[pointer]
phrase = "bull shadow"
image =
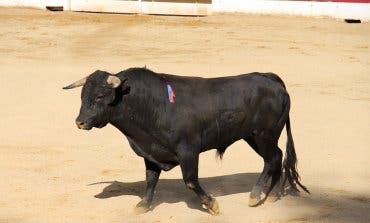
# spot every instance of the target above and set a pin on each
(174, 190)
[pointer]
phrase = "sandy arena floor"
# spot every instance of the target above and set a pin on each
(50, 171)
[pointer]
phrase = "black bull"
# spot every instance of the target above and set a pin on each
(169, 120)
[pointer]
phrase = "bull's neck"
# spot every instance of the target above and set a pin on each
(141, 109)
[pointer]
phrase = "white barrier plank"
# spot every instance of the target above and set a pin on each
(141, 7)
(106, 6)
(306, 8)
(166, 8)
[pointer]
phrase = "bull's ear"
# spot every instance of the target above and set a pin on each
(121, 90)
(78, 83)
(114, 81)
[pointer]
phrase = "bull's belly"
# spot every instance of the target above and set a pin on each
(165, 159)
(155, 153)
(220, 143)
(217, 138)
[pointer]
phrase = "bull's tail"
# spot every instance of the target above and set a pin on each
(290, 162)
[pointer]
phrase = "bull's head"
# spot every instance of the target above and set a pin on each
(101, 91)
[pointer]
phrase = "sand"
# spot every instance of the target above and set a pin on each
(52, 172)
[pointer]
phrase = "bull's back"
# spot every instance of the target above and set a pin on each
(226, 93)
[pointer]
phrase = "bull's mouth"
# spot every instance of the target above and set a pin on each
(84, 127)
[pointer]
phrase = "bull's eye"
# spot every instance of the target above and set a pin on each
(99, 97)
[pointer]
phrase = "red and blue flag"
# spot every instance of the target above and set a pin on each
(171, 93)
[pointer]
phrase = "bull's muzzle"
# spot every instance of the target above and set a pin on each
(82, 125)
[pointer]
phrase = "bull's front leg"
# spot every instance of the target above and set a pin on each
(152, 174)
(189, 167)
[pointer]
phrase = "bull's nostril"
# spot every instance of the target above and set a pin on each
(79, 123)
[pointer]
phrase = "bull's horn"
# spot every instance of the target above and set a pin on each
(78, 83)
(113, 81)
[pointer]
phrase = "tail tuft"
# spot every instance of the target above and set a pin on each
(220, 152)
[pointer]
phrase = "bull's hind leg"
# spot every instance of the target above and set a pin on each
(152, 174)
(275, 193)
(272, 156)
(189, 168)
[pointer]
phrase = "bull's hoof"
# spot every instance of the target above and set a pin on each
(255, 197)
(141, 208)
(253, 202)
(213, 207)
(272, 198)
